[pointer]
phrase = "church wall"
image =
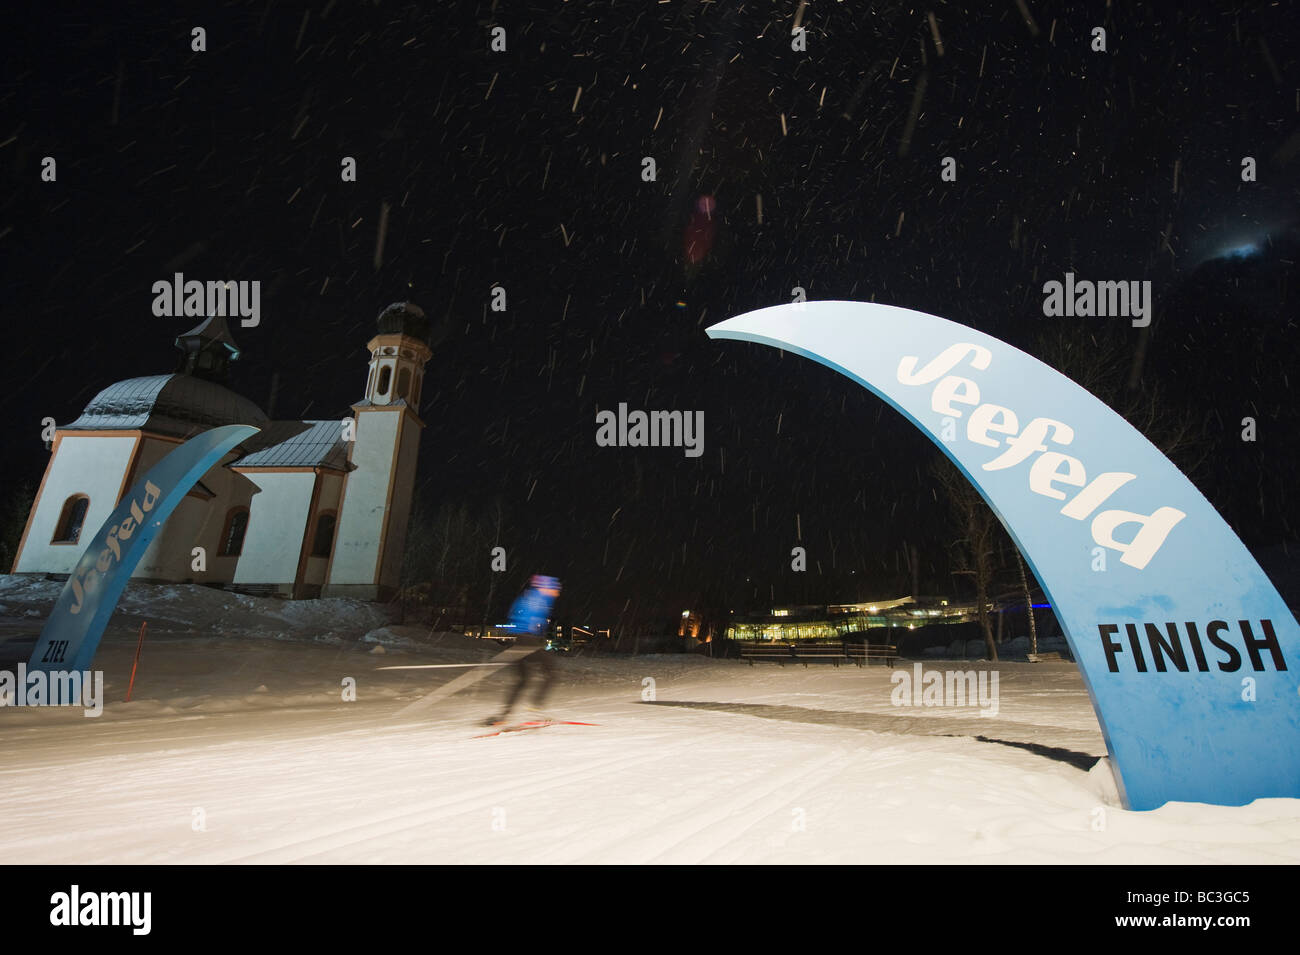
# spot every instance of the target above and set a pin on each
(331, 486)
(277, 523)
(314, 573)
(90, 465)
(331, 489)
(400, 506)
(152, 450)
(356, 548)
(198, 521)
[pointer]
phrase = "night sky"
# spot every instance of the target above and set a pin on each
(225, 164)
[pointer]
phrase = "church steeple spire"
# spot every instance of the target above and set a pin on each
(397, 356)
(207, 350)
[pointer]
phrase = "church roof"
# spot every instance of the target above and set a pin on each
(297, 444)
(178, 405)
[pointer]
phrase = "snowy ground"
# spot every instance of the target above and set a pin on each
(239, 748)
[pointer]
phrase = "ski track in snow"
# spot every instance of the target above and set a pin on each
(728, 764)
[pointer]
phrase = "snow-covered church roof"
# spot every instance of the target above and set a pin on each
(297, 444)
(178, 405)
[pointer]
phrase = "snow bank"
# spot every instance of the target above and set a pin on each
(1101, 781)
(191, 607)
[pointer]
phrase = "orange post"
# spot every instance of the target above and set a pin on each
(136, 662)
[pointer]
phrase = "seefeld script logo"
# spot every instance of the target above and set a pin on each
(87, 575)
(1051, 469)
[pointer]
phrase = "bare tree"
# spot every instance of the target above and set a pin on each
(1097, 362)
(12, 521)
(1029, 600)
(447, 556)
(973, 552)
(498, 516)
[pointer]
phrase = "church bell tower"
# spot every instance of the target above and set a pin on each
(376, 498)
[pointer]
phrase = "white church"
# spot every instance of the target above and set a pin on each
(303, 509)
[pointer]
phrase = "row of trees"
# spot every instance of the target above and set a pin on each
(13, 518)
(447, 575)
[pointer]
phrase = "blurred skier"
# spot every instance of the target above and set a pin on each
(528, 617)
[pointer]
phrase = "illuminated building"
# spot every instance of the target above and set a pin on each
(835, 622)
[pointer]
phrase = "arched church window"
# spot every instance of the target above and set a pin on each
(68, 530)
(403, 382)
(232, 539)
(324, 538)
(385, 376)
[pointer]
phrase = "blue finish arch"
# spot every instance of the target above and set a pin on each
(1187, 650)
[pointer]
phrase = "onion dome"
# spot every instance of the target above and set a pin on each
(404, 318)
